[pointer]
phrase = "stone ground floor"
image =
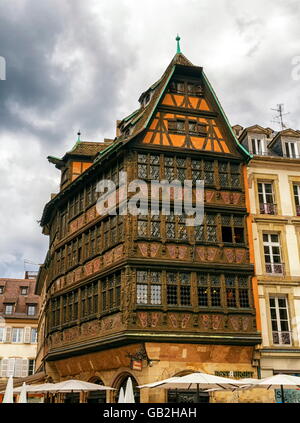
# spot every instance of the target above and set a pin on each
(150, 362)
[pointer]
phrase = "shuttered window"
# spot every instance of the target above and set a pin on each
(27, 332)
(2, 334)
(4, 367)
(16, 367)
(8, 334)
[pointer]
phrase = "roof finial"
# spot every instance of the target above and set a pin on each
(78, 133)
(178, 44)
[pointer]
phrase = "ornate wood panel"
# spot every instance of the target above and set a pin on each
(212, 140)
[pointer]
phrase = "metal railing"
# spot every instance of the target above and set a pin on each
(267, 208)
(275, 268)
(282, 338)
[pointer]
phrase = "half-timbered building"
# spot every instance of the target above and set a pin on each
(147, 295)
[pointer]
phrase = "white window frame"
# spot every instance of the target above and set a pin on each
(19, 339)
(264, 193)
(272, 244)
(259, 145)
(2, 334)
(279, 321)
(288, 149)
(12, 308)
(296, 196)
(29, 307)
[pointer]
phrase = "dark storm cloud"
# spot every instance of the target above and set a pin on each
(26, 41)
(37, 40)
(63, 73)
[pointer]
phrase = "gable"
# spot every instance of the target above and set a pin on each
(187, 117)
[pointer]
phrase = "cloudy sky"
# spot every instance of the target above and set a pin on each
(73, 64)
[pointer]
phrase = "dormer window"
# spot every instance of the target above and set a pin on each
(291, 149)
(147, 98)
(258, 146)
(31, 309)
(9, 308)
(24, 290)
(127, 132)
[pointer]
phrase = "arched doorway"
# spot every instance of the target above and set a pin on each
(186, 395)
(121, 383)
(96, 396)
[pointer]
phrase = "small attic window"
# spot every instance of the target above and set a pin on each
(195, 89)
(127, 132)
(147, 98)
(177, 86)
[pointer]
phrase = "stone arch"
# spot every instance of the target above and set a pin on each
(120, 381)
(96, 396)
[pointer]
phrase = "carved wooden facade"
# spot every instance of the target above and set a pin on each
(114, 280)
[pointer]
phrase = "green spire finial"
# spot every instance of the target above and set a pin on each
(78, 133)
(178, 44)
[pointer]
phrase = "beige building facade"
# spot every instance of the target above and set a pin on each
(19, 307)
(274, 189)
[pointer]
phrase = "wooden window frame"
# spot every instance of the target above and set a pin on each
(150, 287)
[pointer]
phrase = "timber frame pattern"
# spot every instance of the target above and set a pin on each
(112, 281)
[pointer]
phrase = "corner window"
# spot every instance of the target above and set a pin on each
(1, 290)
(148, 288)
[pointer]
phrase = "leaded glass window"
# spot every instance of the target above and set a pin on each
(230, 284)
(178, 288)
(148, 288)
(148, 226)
(110, 292)
(229, 175)
(209, 290)
(208, 173)
(170, 226)
(208, 230)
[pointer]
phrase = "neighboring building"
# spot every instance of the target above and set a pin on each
(19, 309)
(147, 296)
(274, 184)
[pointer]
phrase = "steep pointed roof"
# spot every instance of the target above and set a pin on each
(142, 115)
(138, 120)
